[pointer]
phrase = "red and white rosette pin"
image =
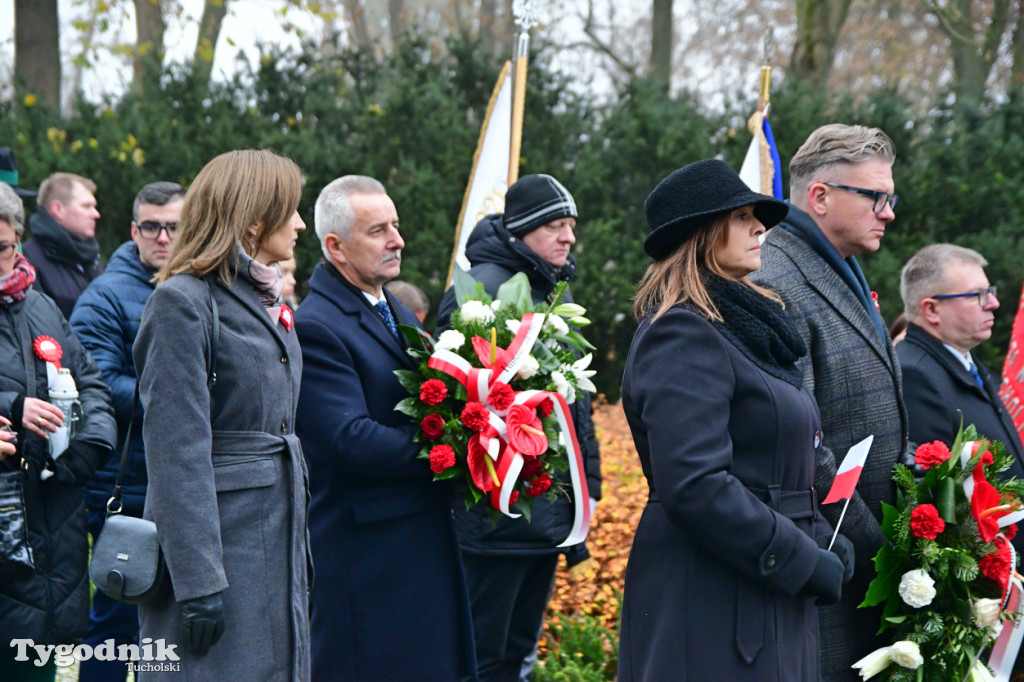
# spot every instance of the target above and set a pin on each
(287, 319)
(48, 350)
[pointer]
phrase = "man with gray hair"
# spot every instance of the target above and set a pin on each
(389, 600)
(841, 198)
(950, 310)
(106, 319)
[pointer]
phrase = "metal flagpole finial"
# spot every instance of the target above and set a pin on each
(525, 14)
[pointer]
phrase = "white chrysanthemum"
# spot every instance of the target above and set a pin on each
(563, 386)
(450, 339)
(986, 612)
(528, 367)
(476, 311)
(906, 654)
(917, 588)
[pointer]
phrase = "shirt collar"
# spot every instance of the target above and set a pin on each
(966, 360)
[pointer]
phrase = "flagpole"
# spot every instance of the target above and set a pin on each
(525, 18)
(835, 533)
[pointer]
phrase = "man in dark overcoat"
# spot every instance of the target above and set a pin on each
(841, 198)
(389, 598)
(950, 311)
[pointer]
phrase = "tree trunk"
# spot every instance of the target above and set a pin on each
(396, 19)
(1017, 48)
(357, 17)
(210, 24)
(974, 50)
(149, 46)
(661, 44)
(818, 23)
(37, 49)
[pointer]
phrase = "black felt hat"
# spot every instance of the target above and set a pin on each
(693, 196)
(9, 172)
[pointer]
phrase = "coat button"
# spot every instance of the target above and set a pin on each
(284, 426)
(770, 561)
(284, 360)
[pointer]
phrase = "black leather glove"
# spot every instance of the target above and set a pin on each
(202, 623)
(843, 549)
(907, 459)
(77, 464)
(826, 582)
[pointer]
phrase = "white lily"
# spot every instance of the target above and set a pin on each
(980, 673)
(569, 310)
(579, 321)
(874, 663)
(582, 374)
(563, 386)
(557, 325)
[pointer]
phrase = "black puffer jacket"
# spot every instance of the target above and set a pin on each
(496, 256)
(51, 605)
(64, 263)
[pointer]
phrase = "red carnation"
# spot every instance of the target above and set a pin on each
(930, 454)
(1010, 532)
(501, 396)
(432, 426)
(997, 565)
(531, 467)
(433, 391)
(475, 416)
(539, 485)
(546, 407)
(513, 497)
(925, 521)
(441, 457)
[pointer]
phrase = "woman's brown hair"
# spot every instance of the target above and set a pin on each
(234, 192)
(678, 277)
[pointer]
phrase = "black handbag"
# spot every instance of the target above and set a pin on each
(127, 563)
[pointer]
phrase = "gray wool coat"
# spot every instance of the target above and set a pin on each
(856, 380)
(234, 520)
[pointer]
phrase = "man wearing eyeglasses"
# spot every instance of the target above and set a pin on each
(950, 311)
(63, 247)
(841, 200)
(106, 320)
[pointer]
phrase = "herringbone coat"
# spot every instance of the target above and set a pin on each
(855, 377)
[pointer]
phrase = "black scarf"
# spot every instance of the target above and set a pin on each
(61, 245)
(758, 327)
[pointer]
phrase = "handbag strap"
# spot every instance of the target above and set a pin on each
(211, 372)
(30, 362)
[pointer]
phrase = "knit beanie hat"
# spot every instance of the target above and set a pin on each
(536, 200)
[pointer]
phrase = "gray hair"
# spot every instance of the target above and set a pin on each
(925, 273)
(333, 213)
(157, 194)
(12, 210)
(835, 144)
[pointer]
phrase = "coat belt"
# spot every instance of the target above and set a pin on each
(252, 443)
(793, 504)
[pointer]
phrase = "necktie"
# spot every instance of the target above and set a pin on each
(385, 312)
(976, 375)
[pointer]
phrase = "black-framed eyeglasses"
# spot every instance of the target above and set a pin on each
(150, 229)
(7, 247)
(983, 296)
(880, 198)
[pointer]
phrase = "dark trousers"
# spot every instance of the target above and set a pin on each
(508, 595)
(108, 619)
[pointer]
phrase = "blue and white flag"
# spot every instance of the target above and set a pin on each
(762, 169)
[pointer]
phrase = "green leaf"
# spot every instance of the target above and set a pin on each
(465, 285)
(416, 337)
(450, 472)
(890, 515)
(516, 291)
(889, 569)
(410, 380)
(412, 407)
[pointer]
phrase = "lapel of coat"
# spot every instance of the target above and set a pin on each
(931, 345)
(831, 287)
(355, 306)
(245, 295)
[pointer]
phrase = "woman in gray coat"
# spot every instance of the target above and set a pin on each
(729, 554)
(227, 480)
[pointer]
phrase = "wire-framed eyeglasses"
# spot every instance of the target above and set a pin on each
(880, 198)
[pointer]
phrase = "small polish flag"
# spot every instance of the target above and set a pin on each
(849, 472)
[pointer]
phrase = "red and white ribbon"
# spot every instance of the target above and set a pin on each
(508, 462)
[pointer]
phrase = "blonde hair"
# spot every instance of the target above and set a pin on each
(231, 194)
(678, 278)
(60, 187)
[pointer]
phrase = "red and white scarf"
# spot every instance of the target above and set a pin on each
(14, 284)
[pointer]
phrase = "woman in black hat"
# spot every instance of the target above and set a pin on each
(727, 560)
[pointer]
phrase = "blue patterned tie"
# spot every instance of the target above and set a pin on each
(977, 376)
(385, 312)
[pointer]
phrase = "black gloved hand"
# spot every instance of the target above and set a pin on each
(826, 582)
(843, 549)
(907, 459)
(78, 463)
(202, 623)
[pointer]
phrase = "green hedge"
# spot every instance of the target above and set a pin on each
(412, 118)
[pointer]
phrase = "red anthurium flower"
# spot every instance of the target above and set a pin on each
(985, 499)
(475, 456)
(483, 351)
(525, 432)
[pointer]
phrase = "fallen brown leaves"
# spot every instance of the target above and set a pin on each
(595, 590)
